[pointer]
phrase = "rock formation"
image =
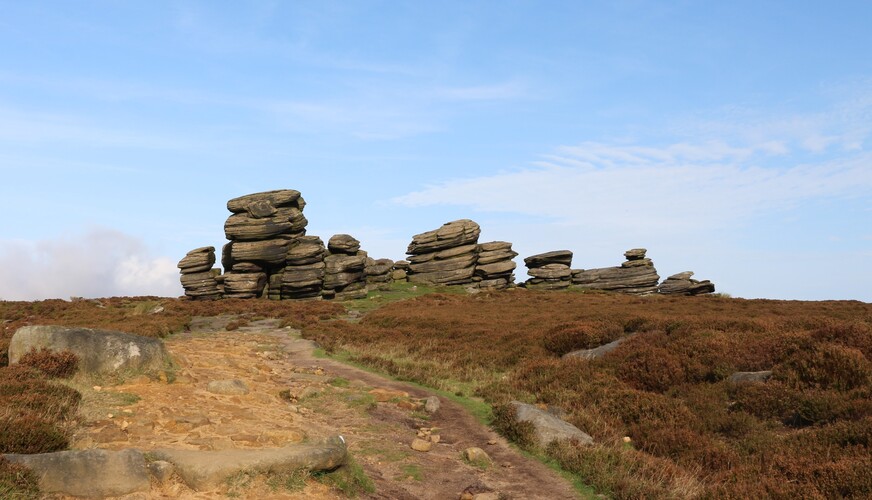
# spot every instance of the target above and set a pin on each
(198, 278)
(344, 266)
(549, 271)
(260, 229)
(637, 275)
(445, 256)
(378, 273)
(495, 266)
(682, 284)
(303, 276)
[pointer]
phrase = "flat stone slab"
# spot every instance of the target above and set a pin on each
(88, 473)
(100, 352)
(234, 387)
(203, 470)
(548, 427)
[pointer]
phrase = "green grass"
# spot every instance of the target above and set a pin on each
(339, 382)
(399, 290)
(411, 471)
(350, 479)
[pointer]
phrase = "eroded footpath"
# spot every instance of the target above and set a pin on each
(288, 396)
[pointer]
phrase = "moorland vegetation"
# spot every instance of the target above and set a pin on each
(666, 419)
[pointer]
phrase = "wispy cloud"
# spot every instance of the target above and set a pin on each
(98, 263)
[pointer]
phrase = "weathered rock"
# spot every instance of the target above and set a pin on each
(234, 387)
(272, 252)
(421, 445)
(452, 234)
(203, 470)
(339, 263)
(448, 264)
(747, 377)
(682, 284)
(258, 203)
(399, 275)
(636, 276)
(432, 404)
(244, 283)
(456, 277)
(198, 260)
(551, 271)
(547, 427)
(88, 473)
(635, 253)
(100, 352)
(343, 243)
(247, 267)
(246, 227)
(476, 456)
(596, 352)
(556, 257)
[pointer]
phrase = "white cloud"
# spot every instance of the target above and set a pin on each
(649, 190)
(98, 263)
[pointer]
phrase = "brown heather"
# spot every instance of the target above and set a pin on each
(804, 433)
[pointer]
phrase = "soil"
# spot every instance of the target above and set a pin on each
(295, 397)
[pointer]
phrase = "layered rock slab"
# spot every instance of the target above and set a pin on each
(636, 275)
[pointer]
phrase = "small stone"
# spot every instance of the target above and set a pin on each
(435, 438)
(491, 442)
(432, 404)
(161, 470)
(626, 439)
(421, 445)
(476, 456)
(233, 387)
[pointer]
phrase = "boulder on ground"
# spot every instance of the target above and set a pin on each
(596, 352)
(547, 427)
(682, 284)
(87, 473)
(100, 352)
(747, 377)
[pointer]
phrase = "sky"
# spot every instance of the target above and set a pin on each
(733, 139)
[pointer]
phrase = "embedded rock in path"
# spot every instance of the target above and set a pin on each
(233, 387)
(203, 470)
(87, 473)
(682, 284)
(636, 275)
(547, 427)
(100, 352)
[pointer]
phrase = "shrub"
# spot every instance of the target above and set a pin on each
(60, 364)
(17, 481)
(826, 366)
(652, 369)
(521, 433)
(29, 433)
(568, 337)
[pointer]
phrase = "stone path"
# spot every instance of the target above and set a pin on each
(294, 397)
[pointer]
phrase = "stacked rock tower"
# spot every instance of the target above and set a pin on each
(445, 256)
(636, 275)
(344, 266)
(549, 271)
(303, 276)
(494, 267)
(260, 230)
(198, 277)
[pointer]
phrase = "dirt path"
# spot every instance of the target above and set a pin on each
(293, 397)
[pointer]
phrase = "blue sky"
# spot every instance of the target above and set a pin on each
(733, 139)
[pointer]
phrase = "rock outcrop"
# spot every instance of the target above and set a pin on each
(261, 229)
(636, 276)
(378, 273)
(344, 265)
(445, 256)
(549, 271)
(100, 352)
(303, 276)
(548, 427)
(198, 278)
(682, 284)
(495, 266)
